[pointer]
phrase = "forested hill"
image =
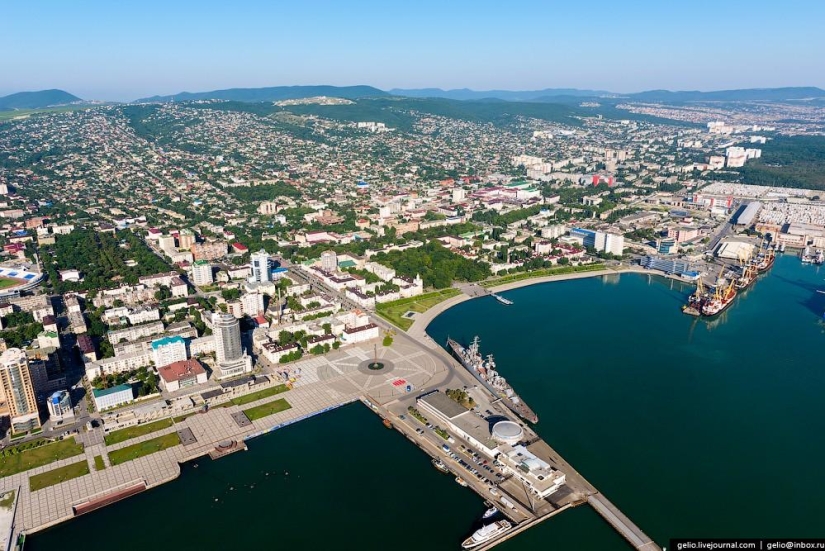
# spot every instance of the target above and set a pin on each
(37, 100)
(789, 161)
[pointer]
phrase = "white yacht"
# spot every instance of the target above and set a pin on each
(486, 533)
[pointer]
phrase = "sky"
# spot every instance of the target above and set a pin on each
(127, 50)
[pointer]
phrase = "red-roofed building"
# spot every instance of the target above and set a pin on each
(181, 374)
(239, 248)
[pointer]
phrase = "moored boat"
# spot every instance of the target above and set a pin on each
(485, 372)
(438, 464)
(460, 481)
(502, 300)
(490, 512)
(486, 533)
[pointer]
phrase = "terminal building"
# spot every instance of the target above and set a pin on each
(496, 437)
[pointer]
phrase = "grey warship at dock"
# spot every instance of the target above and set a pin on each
(484, 370)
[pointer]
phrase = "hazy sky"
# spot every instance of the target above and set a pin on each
(125, 50)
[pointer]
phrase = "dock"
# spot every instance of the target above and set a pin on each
(528, 511)
(621, 523)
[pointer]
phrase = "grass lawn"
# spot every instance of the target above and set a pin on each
(266, 409)
(37, 457)
(254, 396)
(518, 276)
(56, 476)
(99, 464)
(6, 282)
(122, 435)
(393, 311)
(140, 449)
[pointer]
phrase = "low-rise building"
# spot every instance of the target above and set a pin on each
(59, 404)
(353, 335)
(181, 374)
(113, 397)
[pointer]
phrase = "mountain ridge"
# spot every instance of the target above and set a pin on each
(37, 99)
(271, 93)
(786, 93)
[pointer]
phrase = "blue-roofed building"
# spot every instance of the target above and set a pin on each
(113, 397)
(168, 350)
(60, 405)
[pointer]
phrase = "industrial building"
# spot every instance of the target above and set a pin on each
(670, 266)
(747, 216)
(734, 250)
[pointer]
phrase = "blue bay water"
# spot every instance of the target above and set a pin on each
(691, 428)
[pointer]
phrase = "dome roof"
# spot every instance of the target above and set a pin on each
(507, 432)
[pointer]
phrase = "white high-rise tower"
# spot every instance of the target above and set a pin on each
(230, 356)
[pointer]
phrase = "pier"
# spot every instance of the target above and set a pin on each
(621, 523)
(528, 509)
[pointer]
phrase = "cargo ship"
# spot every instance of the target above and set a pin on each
(764, 261)
(719, 301)
(695, 300)
(485, 372)
(747, 278)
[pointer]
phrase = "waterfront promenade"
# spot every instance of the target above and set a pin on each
(326, 383)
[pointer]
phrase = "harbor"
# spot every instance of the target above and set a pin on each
(461, 444)
(593, 417)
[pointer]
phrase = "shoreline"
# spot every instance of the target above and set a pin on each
(419, 327)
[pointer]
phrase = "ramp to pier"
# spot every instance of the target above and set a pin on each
(621, 523)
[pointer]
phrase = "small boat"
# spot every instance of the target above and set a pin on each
(387, 423)
(486, 533)
(490, 512)
(460, 481)
(502, 300)
(438, 464)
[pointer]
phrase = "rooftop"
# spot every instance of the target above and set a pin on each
(165, 341)
(443, 404)
(181, 370)
(106, 391)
